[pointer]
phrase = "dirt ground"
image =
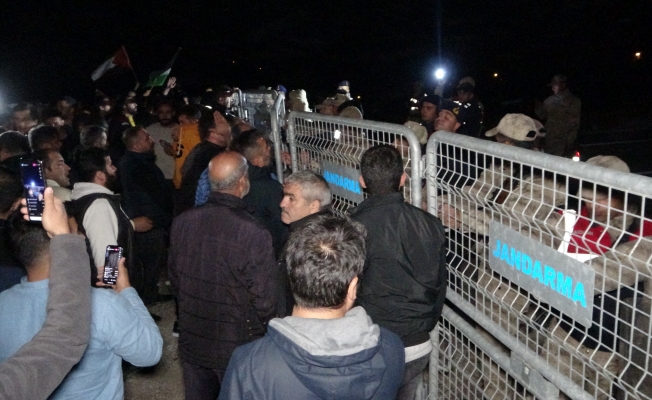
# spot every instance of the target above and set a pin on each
(163, 381)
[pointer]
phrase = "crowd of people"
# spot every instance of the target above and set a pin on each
(189, 188)
(275, 296)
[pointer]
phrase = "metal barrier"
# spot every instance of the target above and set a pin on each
(550, 273)
(265, 111)
(332, 146)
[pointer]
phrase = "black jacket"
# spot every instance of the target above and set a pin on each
(403, 286)
(196, 162)
(222, 270)
(265, 197)
(145, 192)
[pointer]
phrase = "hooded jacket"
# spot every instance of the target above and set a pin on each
(305, 358)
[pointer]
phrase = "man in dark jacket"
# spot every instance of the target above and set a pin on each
(266, 193)
(215, 134)
(222, 270)
(327, 349)
(404, 282)
(146, 194)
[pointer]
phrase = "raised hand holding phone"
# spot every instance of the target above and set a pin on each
(33, 187)
(55, 219)
(122, 281)
(110, 273)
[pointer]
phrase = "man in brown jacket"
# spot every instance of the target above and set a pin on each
(223, 271)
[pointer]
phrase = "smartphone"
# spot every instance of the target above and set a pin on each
(112, 257)
(33, 188)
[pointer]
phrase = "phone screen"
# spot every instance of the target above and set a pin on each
(111, 259)
(33, 188)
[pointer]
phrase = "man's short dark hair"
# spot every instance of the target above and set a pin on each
(89, 162)
(130, 135)
(92, 135)
(11, 189)
(248, 145)
(14, 143)
(51, 113)
(43, 155)
(382, 167)
(323, 256)
(41, 136)
(30, 241)
(33, 111)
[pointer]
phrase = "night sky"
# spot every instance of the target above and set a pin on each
(50, 49)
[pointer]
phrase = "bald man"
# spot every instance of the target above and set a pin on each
(222, 269)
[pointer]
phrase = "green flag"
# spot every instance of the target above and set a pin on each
(157, 78)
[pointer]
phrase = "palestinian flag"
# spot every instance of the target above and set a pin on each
(157, 78)
(120, 59)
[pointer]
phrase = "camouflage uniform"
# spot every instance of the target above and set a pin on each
(562, 114)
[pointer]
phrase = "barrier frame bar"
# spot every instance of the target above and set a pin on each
(634, 184)
(559, 380)
(277, 116)
(614, 180)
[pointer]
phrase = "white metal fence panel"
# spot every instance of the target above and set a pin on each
(332, 146)
(550, 258)
(265, 111)
(471, 365)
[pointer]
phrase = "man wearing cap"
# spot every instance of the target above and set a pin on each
(223, 97)
(456, 167)
(505, 186)
(473, 124)
(428, 110)
(344, 88)
(562, 114)
(451, 116)
(503, 189)
(608, 231)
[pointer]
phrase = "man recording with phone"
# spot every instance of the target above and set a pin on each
(120, 326)
(62, 340)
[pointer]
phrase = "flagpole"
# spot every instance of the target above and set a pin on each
(131, 68)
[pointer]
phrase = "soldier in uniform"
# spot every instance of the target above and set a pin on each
(561, 111)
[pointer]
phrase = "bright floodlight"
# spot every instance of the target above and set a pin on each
(439, 74)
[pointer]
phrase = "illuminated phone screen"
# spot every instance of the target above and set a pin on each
(33, 188)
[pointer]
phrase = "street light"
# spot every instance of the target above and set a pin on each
(440, 73)
(495, 74)
(637, 54)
